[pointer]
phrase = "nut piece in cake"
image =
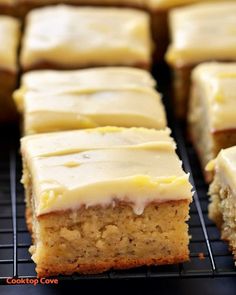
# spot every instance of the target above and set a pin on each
(211, 117)
(10, 34)
(67, 37)
(105, 198)
(194, 40)
(222, 209)
(65, 100)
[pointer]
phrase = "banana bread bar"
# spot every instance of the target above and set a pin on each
(63, 100)
(222, 209)
(67, 37)
(105, 198)
(211, 117)
(194, 40)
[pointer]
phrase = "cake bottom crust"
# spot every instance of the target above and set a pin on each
(160, 34)
(94, 240)
(55, 66)
(7, 10)
(8, 112)
(100, 267)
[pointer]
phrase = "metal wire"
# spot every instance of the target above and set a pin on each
(184, 156)
(13, 209)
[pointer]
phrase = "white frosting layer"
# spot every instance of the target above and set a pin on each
(73, 37)
(202, 32)
(51, 144)
(9, 40)
(225, 167)
(83, 80)
(54, 101)
(216, 85)
(101, 167)
(167, 4)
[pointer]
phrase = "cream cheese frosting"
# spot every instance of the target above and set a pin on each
(92, 98)
(45, 145)
(167, 4)
(194, 37)
(216, 84)
(9, 41)
(224, 167)
(96, 78)
(72, 37)
(105, 165)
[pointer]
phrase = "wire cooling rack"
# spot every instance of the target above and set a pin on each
(209, 255)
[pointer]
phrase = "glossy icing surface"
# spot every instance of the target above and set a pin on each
(225, 167)
(216, 85)
(194, 37)
(75, 37)
(105, 165)
(167, 4)
(54, 101)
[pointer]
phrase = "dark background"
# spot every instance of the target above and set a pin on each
(213, 286)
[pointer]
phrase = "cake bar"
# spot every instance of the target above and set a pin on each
(10, 34)
(194, 40)
(222, 209)
(158, 9)
(105, 198)
(67, 37)
(211, 117)
(64, 100)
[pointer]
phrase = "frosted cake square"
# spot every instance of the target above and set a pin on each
(67, 37)
(211, 116)
(64, 100)
(222, 209)
(200, 32)
(105, 198)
